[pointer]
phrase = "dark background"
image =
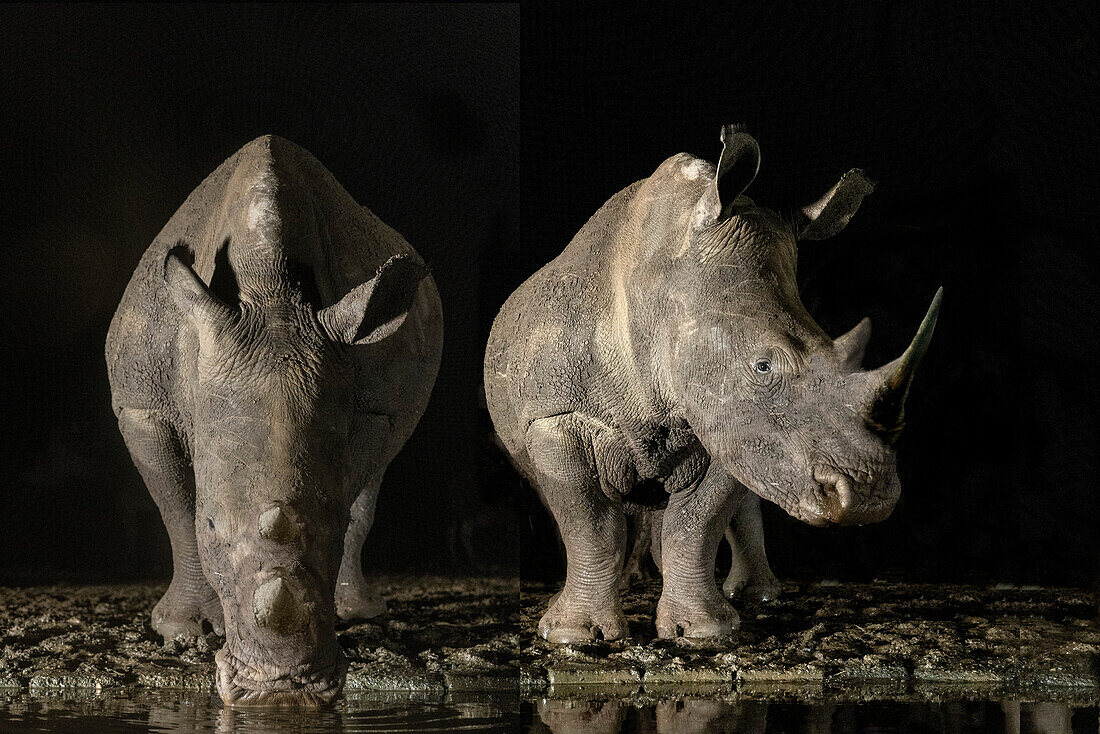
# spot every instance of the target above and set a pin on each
(979, 124)
(111, 115)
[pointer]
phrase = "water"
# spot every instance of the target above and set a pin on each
(188, 711)
(192, 711)
(690, 716)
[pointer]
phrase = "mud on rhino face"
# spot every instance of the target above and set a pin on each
(785, 409)
(271, 458)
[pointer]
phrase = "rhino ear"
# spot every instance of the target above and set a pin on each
(737, 168)
(851, 346)
(830, 214)
(191, 294)
(375, 309)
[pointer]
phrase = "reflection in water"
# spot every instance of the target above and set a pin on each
(193, 711)
(690, 716)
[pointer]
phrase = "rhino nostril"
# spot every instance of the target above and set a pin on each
(831, 503)
(836, 491)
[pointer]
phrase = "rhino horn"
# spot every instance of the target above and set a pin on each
(276, 525)
(277, 608)
(851, 346)
(886, 411)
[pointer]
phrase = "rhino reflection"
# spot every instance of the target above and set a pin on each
(1037, 718)
(235, 720)
(691, 716)
(574, 717)
(683, 716)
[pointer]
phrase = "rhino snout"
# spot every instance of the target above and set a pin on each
(244, 683)
(288, 655)
(850, 498)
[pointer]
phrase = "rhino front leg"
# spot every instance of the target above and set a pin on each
(355, 597)
(162, 462)
(750, 576)
(593, 529)
(692, 527)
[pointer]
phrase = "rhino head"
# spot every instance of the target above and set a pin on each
(271, 448)
(782, 407)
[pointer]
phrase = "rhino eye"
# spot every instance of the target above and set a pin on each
(762, 366)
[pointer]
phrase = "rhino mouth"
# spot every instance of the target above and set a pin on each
(843, 497)
(831, 496)
(309, 686)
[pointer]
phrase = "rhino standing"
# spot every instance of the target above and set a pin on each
(665, 357)
(273, 351)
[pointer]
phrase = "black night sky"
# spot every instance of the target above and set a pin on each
(979, 129)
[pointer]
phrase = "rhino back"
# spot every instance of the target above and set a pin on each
(272, 202)
(539, 348)
(558, 343)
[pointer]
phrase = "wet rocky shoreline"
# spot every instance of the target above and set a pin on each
(877, 641)
(440, 635)
(843, 642)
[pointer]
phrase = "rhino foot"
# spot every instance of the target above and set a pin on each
(750, 589)
(179, 614)
(696, 618)
(568, 621)
(358, 602)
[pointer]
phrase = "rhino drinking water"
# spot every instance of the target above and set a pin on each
(665, 357)
(272, 353)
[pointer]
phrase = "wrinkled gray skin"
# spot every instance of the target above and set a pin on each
(665, 357)
(272, 353)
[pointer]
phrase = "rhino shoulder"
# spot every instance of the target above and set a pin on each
(145, 362)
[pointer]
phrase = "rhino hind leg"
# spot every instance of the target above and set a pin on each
(593, 529)
(656, 524)
(355, 597)
(162, 462)
(750, 575)
(639, 541)
(691, 528)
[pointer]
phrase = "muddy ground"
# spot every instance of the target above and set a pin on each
(845, 641)
(440, 635)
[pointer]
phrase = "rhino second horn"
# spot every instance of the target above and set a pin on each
(278, 609)
(852, 345)
(886, 412)
(276, 525)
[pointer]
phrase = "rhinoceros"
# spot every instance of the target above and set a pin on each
(272, 352)
(665, 359)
